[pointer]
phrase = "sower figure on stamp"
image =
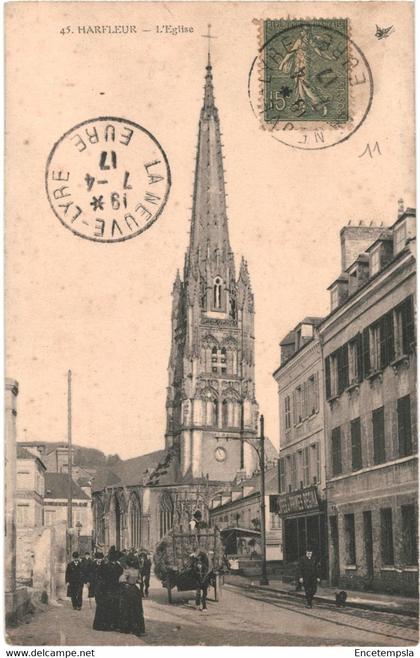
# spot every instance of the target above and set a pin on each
(308, 576)
(75, 579)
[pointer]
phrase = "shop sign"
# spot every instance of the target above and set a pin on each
(297, 501)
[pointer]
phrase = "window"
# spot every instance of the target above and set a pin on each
(404, 327)
(387, 538)
(22, 515)
(355, 360)
(405, 444)
(282, 476)
(378, 436)
(49, 516)
(312, 403)
(218, 360)
(306, 480)
(225, 413)
(375, 347)
(166, 514)
(293, 472)
(336, 451)
(217, 292)
(334, 297)
(409, 534)
(24, 479)
(333, 375)
(223, 360)
(315, 461)
(400, 237)
(214, 359)
(356, 445)
(275, 522)
(298, 405)
(375, 260)
(350, 539)
(287, 413)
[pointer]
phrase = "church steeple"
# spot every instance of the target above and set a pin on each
(211, 387)
(209, 254)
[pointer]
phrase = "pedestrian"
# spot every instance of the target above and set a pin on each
(87, 566)
(145, 565)
(113, 571)
(308, 576)
(98, 588)
(131, 618)
(75, 581)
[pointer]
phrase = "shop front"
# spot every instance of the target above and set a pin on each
(304, 525)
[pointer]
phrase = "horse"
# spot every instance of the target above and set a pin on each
(203, 578)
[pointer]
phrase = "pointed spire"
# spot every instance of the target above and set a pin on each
(208, 89)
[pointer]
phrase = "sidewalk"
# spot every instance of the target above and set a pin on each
(401, 605)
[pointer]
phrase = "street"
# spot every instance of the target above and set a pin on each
(241, 618)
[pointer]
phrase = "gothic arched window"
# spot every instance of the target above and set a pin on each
(217, 292)
(225, 413)
(166, 514)
(215, 414)
(134, 519)
(99, 521)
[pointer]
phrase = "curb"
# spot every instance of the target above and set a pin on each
(377, 607)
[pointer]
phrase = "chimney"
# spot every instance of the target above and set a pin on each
(400, 207)
(355, 240)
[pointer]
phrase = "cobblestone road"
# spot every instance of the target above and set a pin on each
(241, 618)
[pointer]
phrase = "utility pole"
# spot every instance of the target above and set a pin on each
(263, 580)
(69, 467)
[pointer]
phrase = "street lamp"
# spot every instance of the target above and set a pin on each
(79, 526)
(261, 460)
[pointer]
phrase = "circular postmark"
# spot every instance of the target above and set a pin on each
(107, 179)
(310, 86)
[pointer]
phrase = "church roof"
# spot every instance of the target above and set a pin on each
(128, 472)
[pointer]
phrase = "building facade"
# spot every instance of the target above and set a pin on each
(301, 503)
(30, 490)
(368, 343)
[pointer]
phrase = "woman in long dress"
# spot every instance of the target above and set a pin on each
(131, 619)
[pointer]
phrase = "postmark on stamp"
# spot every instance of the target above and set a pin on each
(310, 85)
(107, 179)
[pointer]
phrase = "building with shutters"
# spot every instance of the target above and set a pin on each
(300, 504)
(368, 344)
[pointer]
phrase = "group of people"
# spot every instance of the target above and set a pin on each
(118, 583)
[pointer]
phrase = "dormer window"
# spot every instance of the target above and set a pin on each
(334, 297)
(217, 292)
(375, 260)
(400, 237)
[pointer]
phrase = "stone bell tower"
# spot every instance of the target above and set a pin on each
(211, 404)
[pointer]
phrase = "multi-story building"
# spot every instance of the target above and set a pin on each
(368, 343)
(30, 489)
(301, 500)
(56, 503)
(237, 512)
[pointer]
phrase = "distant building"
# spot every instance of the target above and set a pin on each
(301, 503)
(237, 512)
(368, 343)
(30, 488)
(56, 502)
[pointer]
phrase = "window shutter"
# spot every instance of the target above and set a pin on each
(405, 446)
(366, 353)
(327, 378)
(359, 348)
(295, 417)
(345, 366)
(316, 392)
(408, 324)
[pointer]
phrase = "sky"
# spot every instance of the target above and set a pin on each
(103, 310)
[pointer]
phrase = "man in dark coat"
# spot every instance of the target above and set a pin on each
(145, 565)
(308, 576)
(87, 566)
(75, 579)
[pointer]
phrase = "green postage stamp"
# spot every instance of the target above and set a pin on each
(306, 71)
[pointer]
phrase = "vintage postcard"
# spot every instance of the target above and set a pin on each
(210, 393)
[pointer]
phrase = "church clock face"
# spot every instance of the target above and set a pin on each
(220, 454)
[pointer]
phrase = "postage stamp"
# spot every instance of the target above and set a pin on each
(310, 85)
(107, 179)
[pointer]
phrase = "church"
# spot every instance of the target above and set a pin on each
(211, 410)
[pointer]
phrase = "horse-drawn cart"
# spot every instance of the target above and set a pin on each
(175, 554)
